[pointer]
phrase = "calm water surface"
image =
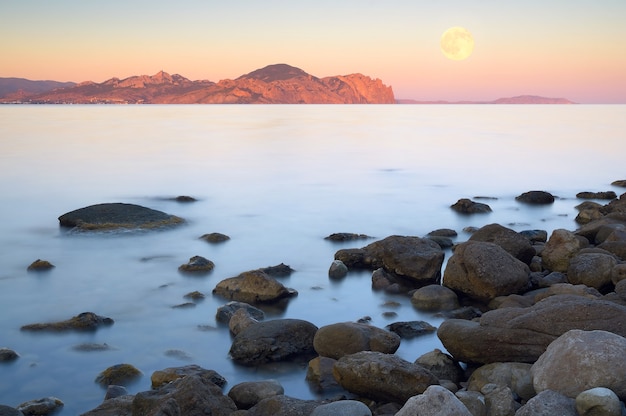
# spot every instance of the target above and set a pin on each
(277, 180)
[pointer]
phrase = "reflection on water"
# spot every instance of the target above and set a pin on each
(277, 180)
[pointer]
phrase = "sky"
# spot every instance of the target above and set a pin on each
(574, 49)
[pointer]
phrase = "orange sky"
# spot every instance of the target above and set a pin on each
(561, 48)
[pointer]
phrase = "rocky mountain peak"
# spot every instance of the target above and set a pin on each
(276, 72)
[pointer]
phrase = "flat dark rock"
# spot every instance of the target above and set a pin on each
(86, 321)
(110, 216)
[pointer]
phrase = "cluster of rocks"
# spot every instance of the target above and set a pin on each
(535, 325)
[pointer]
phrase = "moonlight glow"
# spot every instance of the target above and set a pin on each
(457, 43)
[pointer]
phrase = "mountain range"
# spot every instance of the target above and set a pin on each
(273, 84)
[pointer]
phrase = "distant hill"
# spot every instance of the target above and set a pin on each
(273, 84)
(23, 87)
(520, 99)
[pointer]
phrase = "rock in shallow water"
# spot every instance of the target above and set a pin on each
(382, 377)
(44, 406)
(274, 341)
(197, 265)
(113, 216)
(7, 355)
(86, 321)
(253, 286)
(343, 338)
(40, 266)
(467, 206)
(119, 374)
(536, 197)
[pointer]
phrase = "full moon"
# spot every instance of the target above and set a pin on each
(457, 43)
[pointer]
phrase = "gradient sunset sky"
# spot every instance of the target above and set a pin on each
(555, 48)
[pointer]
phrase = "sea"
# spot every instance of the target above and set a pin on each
(277, 179)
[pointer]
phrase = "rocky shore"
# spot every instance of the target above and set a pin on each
(535, 325)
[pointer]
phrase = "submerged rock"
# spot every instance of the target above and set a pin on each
(280, 270)
(40, 266)
(467, 206)
(215, 238)
(7, 355)
(86, 321)
(536, 198)
(119, 374)
(197, 264)
(113, 216)
(596, 195)
(340, 237)
(44, 406)
(185, 198)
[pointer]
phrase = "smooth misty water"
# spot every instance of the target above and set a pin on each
(277, 180)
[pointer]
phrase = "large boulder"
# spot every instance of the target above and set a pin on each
(248, 393)
(418, 259)
(515, 376)
(253, 286)
(591, 269)
(111, 216)
(483, 271)
(435, 401)
(560, 248)
(548, 403)
(190, 395)
(581, 360)
(342, 408)
(599, 401)
(382, 377)
(442, 365)
(435, 298)
(523, 334)
(337, 340)
(513, 242)
(272, 341)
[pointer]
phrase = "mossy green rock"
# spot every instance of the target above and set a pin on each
(119, 375)
(86, 321)
(112, 216)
